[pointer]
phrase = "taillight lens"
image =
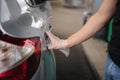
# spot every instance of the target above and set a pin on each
(19, 58)
(12, 55)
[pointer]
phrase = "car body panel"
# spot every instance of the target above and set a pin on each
(50, 69)
(19, 20)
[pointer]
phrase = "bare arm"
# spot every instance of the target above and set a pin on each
(94, 24)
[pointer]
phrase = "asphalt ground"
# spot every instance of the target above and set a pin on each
(74, 67)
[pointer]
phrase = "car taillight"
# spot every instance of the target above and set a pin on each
(19, 58)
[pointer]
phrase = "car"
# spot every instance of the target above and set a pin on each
(23, 42)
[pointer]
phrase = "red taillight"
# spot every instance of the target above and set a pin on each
(26, 64)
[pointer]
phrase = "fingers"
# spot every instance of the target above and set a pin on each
(56, 42)
(50, 35)
(50, 46)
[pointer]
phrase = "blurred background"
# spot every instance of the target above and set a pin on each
(86, 61)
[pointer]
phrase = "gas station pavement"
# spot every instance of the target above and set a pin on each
(96, 52)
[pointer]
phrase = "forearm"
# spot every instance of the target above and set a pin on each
(95, 24)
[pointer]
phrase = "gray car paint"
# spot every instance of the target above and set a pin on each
(17, 22)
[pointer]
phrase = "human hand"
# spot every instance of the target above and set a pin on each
(56, 42)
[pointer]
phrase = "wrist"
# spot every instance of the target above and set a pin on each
(66, 43)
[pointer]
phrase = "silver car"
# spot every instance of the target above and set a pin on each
(23, 43)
